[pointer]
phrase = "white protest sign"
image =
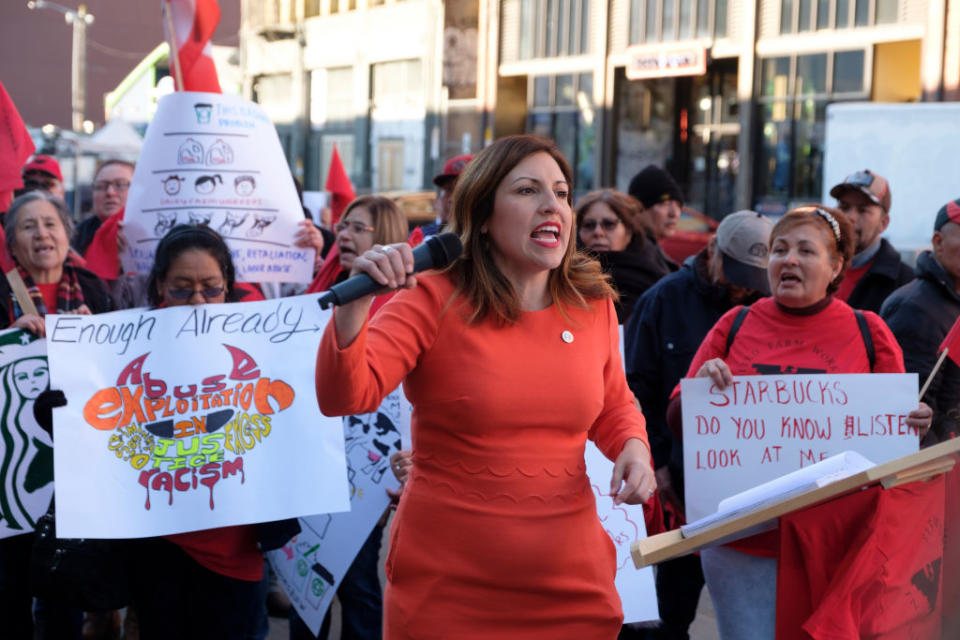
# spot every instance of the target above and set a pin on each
(762, 427)
(191, 417)
(215, 160)
(624, 524)
(311, 566)
(26, 451)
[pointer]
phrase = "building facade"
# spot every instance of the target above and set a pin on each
(391, 83)
(729, 95)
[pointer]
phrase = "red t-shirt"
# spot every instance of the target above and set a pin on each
(772, 341)
(850, 280)
(49, 292)
(229, 551)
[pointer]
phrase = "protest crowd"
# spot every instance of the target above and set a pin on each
(509, 353)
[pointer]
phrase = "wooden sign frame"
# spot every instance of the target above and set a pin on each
(922, 465)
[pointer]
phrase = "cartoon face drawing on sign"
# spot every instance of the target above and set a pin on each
(369, 441)
(261, 220)
(190, 152)
(171, 185)
(220, 153)
(165, 222)
(233, 220)
(31, 376)
(206, 184)
(244, 185)
(200, 219)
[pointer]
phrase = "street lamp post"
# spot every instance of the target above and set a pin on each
(80, 19)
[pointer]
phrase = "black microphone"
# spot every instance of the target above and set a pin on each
(436, 253)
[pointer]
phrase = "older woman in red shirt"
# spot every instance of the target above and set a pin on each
(801, 328)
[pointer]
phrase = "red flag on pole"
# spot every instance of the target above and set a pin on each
(15, 147)
(189, 26)
(951, 343)
(338, 184)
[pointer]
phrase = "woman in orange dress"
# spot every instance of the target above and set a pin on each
(510, 359)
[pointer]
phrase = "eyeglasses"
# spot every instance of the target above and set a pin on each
(607, 224)
(356, 227)
(185, 294)
(118, 185)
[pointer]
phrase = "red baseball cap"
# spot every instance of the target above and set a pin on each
(452, 169)
(45, 164)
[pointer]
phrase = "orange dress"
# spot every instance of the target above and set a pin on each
(496, 535)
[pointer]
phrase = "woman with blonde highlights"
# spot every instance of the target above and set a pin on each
(510, 358)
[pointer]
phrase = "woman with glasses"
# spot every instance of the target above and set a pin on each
(367, 221)
(37, 227)
(608, 225)
(210, 584)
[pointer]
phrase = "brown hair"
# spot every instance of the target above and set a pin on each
(627, 208)
(388, 222)
(815, 214)
(479, 280)
(106, 163)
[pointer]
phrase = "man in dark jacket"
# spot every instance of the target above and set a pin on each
(666, 328)
(921, 313)
(876, 270)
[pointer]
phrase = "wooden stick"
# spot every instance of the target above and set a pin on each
(174, 56)
(20, 292)
(936, 367)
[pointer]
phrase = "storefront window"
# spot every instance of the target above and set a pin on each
(843, 14)
(805, 10)
(720, 30)
(823, 14)
(792, 124)
(703, 18)
(667, 20)
(566, 116)
(686, 25)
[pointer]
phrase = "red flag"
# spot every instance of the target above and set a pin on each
(15, 147)
(194, 22)
(338, 184)
(101, 256)
(952, 342)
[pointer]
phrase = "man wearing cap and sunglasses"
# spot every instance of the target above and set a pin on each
(876, 270)
(667, 326)
(446, 181)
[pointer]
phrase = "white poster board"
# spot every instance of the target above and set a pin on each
(26, 450)
(762, 427)
(190, 418)
(311, 566)
(624, 524)
(215, 160)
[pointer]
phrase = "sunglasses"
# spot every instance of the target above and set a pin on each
(185, 294)
(607, 224)
(118, 185)
(356, 227)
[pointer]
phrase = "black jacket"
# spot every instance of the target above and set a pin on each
(95, 295)
(633, 270)
(665, 330)
(886, 274)
(920, 314)
(83, 233)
